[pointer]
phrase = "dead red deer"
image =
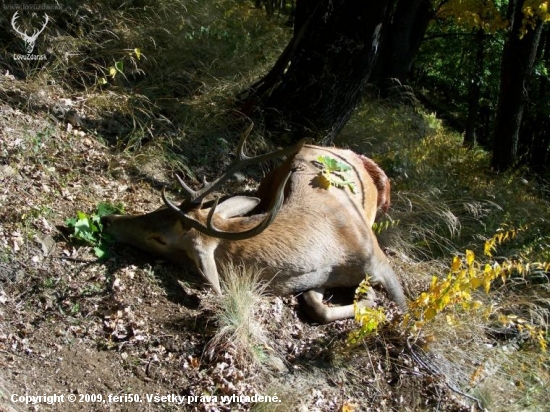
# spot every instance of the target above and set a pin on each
(316, 238)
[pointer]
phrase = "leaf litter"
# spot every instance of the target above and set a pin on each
(72, 324)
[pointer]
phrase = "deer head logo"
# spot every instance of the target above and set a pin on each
(29, 40)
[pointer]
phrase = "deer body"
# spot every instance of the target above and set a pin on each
(320, 238)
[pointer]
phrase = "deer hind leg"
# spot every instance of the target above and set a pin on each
(382, 274)
(321, 313)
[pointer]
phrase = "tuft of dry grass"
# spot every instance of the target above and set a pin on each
(239, 332)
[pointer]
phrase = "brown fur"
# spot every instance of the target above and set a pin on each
(381, 181)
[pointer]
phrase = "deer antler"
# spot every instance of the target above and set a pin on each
(212, 231)
(25, 36)
(37, 32)
(13, 24)
(242, 161)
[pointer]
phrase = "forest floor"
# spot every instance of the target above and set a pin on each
(133, 325)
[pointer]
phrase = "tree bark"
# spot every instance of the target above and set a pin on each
(518, 57)
(320, 77)
(400, 47)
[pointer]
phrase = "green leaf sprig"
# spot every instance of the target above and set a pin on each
(88, 228)
(333, 174)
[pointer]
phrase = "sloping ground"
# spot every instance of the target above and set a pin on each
(133, 325)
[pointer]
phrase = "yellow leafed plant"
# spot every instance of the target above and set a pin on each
(466, 275)
(368, 318)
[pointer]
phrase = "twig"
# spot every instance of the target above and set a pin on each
(72, 259)
(435, 370)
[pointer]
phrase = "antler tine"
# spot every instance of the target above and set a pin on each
(192, 194)
(171, 205)
(240, 147)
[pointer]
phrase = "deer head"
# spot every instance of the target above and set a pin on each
(29, 40)
(173, 230)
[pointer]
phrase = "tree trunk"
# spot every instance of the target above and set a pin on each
(538, 123)
(320, 77)
(400, 47)
(518, 57)
(474, 92)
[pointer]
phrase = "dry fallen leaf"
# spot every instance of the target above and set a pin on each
(348, 407)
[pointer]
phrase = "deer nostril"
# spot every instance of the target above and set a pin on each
(106, 221)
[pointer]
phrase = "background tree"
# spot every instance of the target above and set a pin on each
(474, 92)
(276, 6)
(453, 66)
(535, 143)
(518, 58)
(402, 42)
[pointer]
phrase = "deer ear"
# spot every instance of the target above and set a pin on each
(236, 206)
